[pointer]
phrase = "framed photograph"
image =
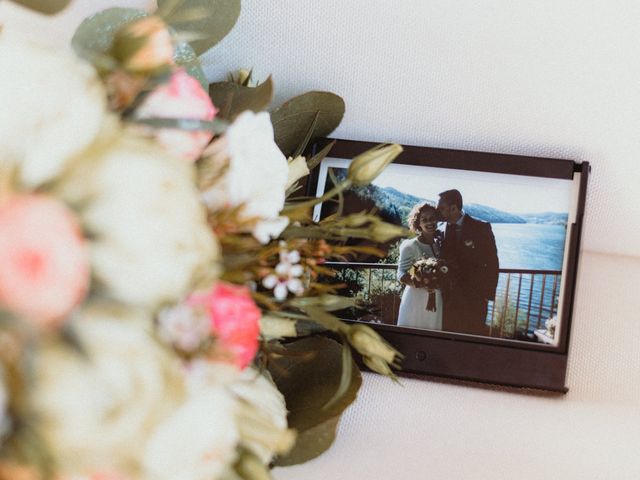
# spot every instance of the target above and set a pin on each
(483, 287)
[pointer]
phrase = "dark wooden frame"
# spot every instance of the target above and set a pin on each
(484, 359)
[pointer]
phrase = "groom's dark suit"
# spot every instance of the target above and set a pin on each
(470, 251)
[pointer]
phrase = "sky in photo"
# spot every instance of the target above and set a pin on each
(510, 193)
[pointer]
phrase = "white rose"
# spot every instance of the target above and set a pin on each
(150, 235)
(53, 106)
(198, 442)
(259, 408)
(97, 411)
(257, 174)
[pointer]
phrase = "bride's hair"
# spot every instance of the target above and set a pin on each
(413, 219)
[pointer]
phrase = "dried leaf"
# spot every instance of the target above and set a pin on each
(220, 17)
(233, 99)
(292, 120)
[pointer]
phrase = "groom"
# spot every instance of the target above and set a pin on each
(469, 248)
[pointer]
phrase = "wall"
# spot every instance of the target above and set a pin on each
(547, 78)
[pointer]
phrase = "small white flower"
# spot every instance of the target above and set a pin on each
(183, 327)
(287, 275)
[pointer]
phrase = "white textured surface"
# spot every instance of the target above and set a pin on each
(440, 431)
(553, 78)
(557, 78)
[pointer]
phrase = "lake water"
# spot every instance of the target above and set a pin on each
(530, 246)
(532, 298)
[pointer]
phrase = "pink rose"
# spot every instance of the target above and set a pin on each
(181, 98)
(44, 263)
(234, 320)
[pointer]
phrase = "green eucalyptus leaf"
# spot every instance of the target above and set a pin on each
(309, 375)
(44, 6)
(311, 443)
(233, 99)
(292, 120)
(211, 27)
(186, 57)
(95, 33)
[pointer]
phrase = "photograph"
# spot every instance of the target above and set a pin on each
(483, 254)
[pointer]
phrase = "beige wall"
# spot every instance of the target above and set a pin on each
(549, 78)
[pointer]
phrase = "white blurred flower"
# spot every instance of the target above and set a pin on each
(198, 442)
(263, 415)
(143, 209)
(259, 407)
(97, 411)
(256, 176)
(184, 327)
(287, 275)
(52, 107)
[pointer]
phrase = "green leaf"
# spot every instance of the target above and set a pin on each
(292, 120)
(186, 57)
(233, 99)
(95, 33)
(309, 378)
(44, 6)
(212, 27)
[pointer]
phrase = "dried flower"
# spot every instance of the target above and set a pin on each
(368, 165)
(184, 327)
(383, 232)
(44, 259)
(182, 97)
(234, 320)
(144, 45)
(297, 169)
(376, 352)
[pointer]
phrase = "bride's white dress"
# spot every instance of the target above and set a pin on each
(413, 306)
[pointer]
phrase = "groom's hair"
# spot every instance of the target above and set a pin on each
(452, 197)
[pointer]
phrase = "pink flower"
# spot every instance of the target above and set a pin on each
(44, 263)
(181, 98)
(234, 320)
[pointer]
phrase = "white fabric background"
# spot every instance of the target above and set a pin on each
(549, 78)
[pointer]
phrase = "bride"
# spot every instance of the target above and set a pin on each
(413, 306)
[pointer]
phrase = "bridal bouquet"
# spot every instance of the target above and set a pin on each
(429, 273)
(161, 309)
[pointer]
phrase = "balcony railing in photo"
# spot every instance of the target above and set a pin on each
(524, 300)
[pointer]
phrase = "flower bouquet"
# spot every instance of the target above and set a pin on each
(429, 273)
(161, 309)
